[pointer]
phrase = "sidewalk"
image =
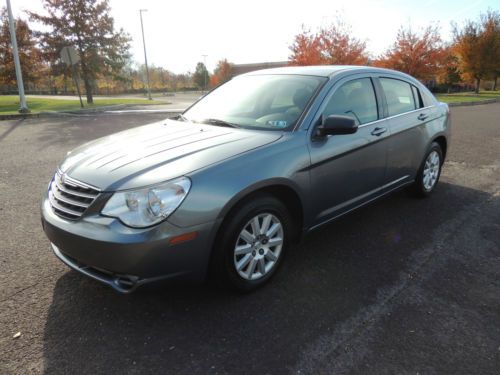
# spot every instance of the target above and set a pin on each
(171, 103)
(168, 109)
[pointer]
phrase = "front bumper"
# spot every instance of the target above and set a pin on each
(125, 258)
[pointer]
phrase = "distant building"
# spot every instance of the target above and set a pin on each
(238, 69)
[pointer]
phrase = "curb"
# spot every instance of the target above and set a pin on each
(93, 110)
(166, 111)
(480, 102)
(15, 116)
(113, 109)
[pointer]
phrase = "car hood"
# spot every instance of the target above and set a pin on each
(158, 152)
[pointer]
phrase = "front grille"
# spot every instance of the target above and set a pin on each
(70, 198)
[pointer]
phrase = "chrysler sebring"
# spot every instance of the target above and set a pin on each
(227, 187)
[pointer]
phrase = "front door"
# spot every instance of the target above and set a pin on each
(347, 170)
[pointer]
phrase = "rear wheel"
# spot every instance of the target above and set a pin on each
(251, 243)
(429, 172)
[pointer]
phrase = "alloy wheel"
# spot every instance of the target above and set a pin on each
(431, 170)
(258, 246)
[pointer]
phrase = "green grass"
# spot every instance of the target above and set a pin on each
(9, 104)
(468, 96)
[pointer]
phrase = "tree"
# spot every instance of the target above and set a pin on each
(450, 73)
(223, 72)
(87, 25)
(421, 55)
(305, 49)
(339, 47)
(201, 76)
(478, 47)
(29, 54)
(330, 45)
(490, 22)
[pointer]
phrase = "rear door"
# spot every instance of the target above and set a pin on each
(347, 170)
(407, 118)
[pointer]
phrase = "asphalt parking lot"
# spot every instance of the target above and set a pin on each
(401, 286)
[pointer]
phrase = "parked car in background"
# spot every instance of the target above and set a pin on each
(227, 187)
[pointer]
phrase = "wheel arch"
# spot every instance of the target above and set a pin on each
(443, 143)
(281, 189)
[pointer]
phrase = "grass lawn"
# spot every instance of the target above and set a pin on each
(468, 96)
(9, 104)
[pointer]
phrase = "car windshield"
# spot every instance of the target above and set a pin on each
(256, 101)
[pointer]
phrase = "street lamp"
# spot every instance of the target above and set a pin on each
(17, 64)
(145, 56)
(205, 73)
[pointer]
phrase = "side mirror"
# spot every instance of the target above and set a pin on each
(336, 125)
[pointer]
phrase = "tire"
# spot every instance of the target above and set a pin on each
(429, 172)
(265, 256)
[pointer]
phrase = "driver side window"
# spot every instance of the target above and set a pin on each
(356, 99)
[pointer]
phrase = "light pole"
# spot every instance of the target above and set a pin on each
(17, 64)
(145, 56)
(205, 73)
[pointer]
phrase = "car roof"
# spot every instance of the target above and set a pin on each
(321, 70)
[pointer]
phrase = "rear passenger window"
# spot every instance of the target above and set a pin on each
(356, 99)
(399, 96)
(417, 97)
(427, 98)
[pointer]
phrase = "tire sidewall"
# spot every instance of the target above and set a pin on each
(234, 223)
(420, 176)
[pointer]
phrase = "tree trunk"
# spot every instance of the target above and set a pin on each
(88, 89)
(87, 81)
(495, 83)
(478, 81)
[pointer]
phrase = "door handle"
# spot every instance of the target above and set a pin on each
(422, 116)
(378, 131)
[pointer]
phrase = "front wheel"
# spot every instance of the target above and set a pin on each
(429, 172)
(252, 243)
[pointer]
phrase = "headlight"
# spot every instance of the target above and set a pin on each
(145, 207)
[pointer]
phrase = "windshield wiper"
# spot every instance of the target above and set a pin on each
(218, 122)
(180, 118)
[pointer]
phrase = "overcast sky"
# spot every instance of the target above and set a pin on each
(179, 32)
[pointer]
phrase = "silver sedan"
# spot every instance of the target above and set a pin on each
(226, 188)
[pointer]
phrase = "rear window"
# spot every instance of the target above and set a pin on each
(399, 96)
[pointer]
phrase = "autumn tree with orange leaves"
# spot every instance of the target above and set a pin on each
(422, 55)
(339, 47)
(477, 46)
(306, 49)
(331, 45)
(450, 74)
(223, 72)
(29, 53)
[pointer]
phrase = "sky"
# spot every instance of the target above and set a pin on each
(179, 32)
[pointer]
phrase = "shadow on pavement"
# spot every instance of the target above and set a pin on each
(335, 272)
(71, 131)
(10, 129)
